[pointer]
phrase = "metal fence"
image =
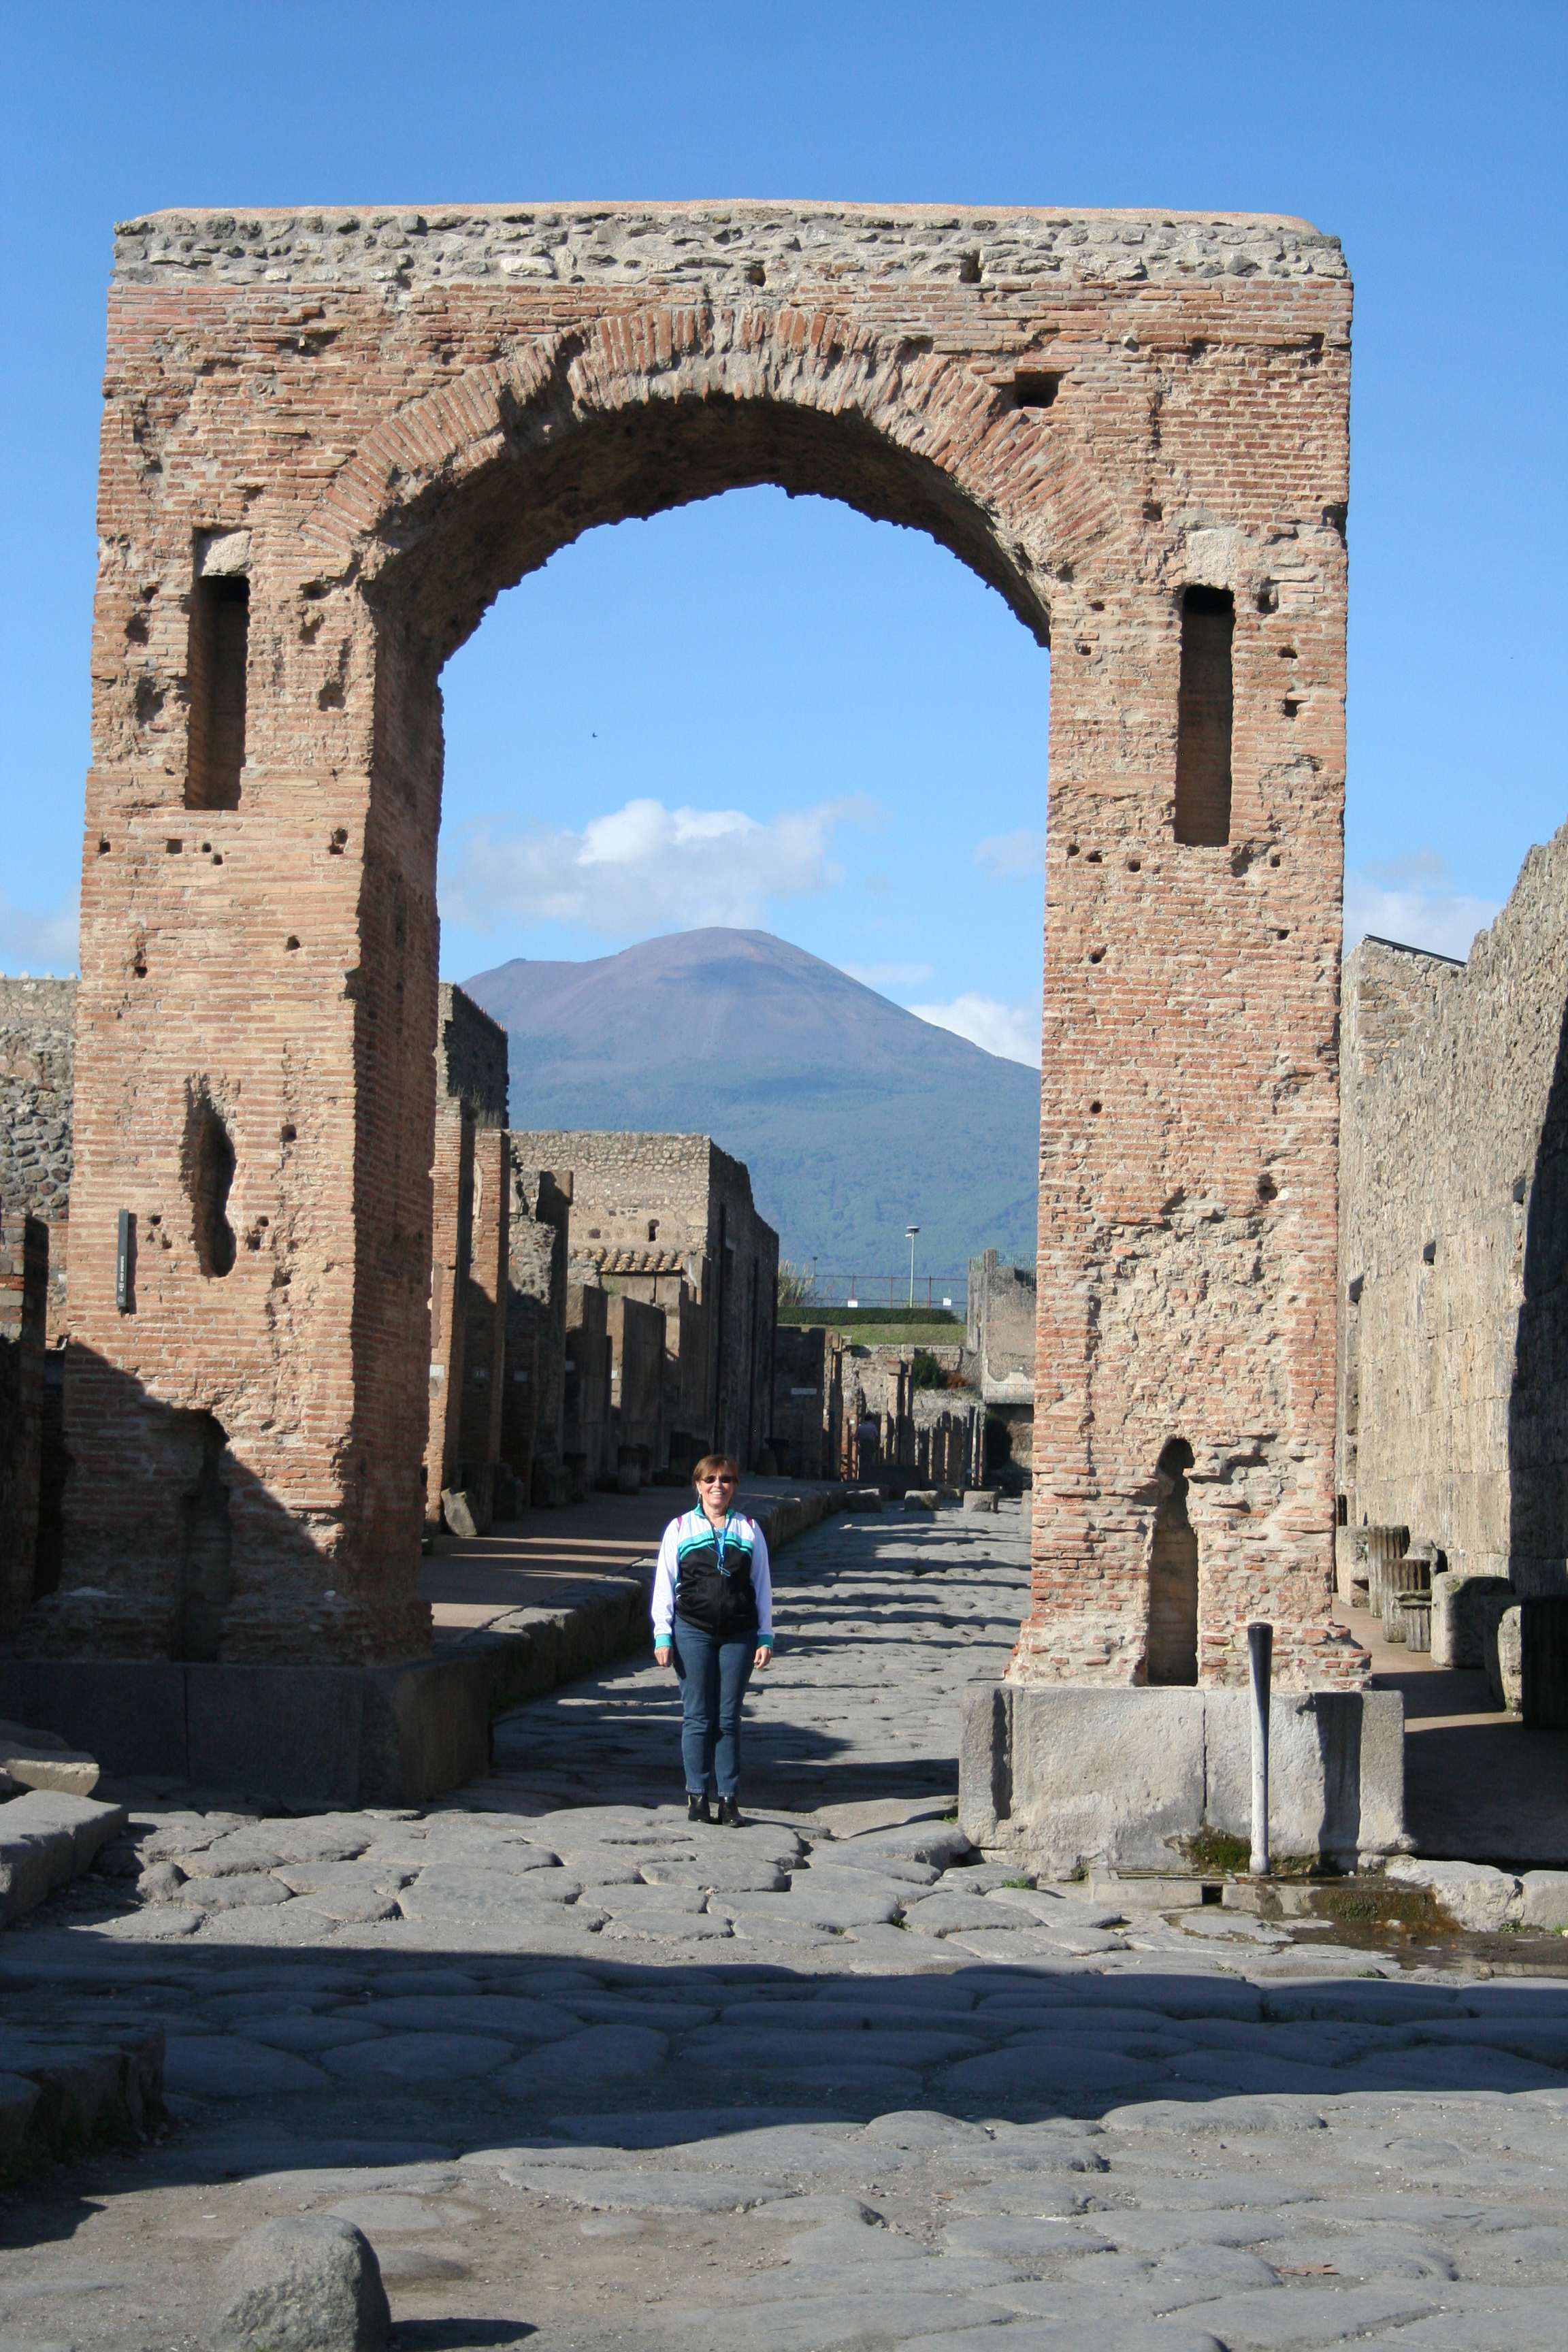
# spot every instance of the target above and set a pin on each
(855, 1289)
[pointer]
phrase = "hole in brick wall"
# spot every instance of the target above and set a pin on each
(1354, 1291)
(136, 629)
(1268, 1190)
(1173, 1575)
(207, 849)
(1094, 859)
(1287, 653)
(1203, 711)
(1520, 1186)
(1336, 516)
(1035, 388)
(1152, 510)
(287, 1134)
(1094, 1110)
(1290, 706)
(969, 270)
(756, 274)
(289, 943)
(1282, 935)
(1072, 848)
(338, 843)
(1135, 866)
(215, 661)
(1343, 1511)
(206, 1578)
(1097, 955)
(217, 857)
(653, 1229)
(102, 848)
(172, 848)
(139, 965)
(1428, 1252)
(209, 1163)
(1268, 597)
(1275, 860)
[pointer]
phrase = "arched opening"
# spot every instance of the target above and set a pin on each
(1173, 1575)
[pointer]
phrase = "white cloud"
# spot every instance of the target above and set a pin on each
(1003, 856)
(1411, 899)
(888, 975)
(39, 943)
(646, 867)
(1013, 1031)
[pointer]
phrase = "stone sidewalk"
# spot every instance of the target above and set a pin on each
(582, 2071)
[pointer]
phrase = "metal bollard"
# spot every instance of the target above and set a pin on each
(1260, 1659)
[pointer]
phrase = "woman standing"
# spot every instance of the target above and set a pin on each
(713, 1619)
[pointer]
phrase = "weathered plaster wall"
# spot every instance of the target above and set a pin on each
(24, 1279)
(1453, 1388)
(378, 421)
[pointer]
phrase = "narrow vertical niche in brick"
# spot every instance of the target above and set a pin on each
(209, 1176)
(1173, 1575)
(1204, 718)
(219, 643)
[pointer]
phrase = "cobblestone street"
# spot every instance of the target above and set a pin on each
(584, 2073)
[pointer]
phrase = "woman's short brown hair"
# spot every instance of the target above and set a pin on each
(712, 1461)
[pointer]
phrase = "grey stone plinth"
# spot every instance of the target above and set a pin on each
(1544, 1662)
(306, 1735)
(1120, 1778)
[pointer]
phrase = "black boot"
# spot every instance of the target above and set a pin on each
(730, 1812)
(697, 1807)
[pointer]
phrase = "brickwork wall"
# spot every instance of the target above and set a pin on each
(24, 1285)
(1453, 1388)
(470, 1056)
(538, 1244)
(38, 1062)
(452, 1185)
(404, 413)
(484, 1345)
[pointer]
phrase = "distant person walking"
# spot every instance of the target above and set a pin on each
(713, 1620)
(868, 1446)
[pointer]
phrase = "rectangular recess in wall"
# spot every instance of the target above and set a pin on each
(1204, 718)
(219, 643)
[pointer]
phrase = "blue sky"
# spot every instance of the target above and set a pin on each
(773, 711)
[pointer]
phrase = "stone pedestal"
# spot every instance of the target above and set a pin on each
(1069, 1778)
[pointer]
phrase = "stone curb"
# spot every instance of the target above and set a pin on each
(47, 1838)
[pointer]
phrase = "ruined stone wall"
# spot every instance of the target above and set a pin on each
(484, 1347)
(330, 440)
(452, 1239)
(1453, 1388)
(37, 1063)
(802, 1365)
(1001, 1330)
(470, 1056)
(651, 1210)
(537, 1243)
(636, 1331)
(586, 1414)
(23, 1284)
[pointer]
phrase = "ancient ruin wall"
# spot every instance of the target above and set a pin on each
(38, 1060)
(329, 441)
(1454, 1254)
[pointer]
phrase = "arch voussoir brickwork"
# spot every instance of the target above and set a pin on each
(348, 438)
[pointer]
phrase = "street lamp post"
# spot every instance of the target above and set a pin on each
(910, 1233)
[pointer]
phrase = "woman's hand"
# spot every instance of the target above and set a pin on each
(762, 1658)
(661, 1657)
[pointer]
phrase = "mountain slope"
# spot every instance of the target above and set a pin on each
(854, 1118)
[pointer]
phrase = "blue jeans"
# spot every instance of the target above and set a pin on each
(714, 1678)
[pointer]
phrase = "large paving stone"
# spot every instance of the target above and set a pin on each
(807, 1905)
(245, 1890)
(609, 2055)
(226, 2066)
(510, 2015)
(395, 2060)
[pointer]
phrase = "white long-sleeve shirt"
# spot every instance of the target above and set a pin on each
(695, 1527)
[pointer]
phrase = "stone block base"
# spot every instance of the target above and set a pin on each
(1070, 1777)
(328, 1736)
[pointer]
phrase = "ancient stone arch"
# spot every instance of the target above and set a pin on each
(329, 442)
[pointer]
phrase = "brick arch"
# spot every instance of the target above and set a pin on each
(461, 493)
